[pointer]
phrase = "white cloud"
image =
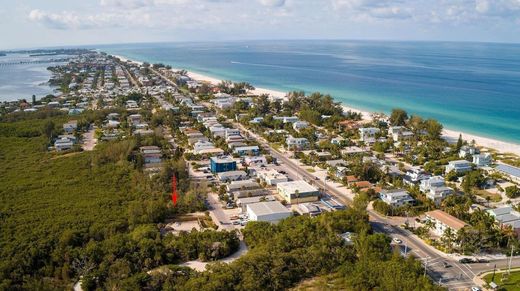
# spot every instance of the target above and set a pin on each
(272, 3)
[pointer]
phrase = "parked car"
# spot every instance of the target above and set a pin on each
(446, 264)
(483, 261)
(466, 261)
(396, 241)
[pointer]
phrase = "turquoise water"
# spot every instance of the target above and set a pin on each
(472, 87)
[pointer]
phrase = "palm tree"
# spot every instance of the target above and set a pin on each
(448, 237)
(297, 194)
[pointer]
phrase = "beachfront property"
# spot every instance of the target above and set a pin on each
(368, 134)
(297, 143)
(466, 151)
(396, 197)
(506, 217)
(222, 164)
(272, 211)
(482, 160)
(443, 221)
(400, 133)
(297, 191)
(415, 175)
(513, 173)
(459, 166)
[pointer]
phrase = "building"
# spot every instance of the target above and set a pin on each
(297, 191)
(271, 176)
(255, 161)
(298, 125)
(432, 182)
(396, 198)
(467, 151)
(297, 143)
(222, 164)
(242, 185)
(231, 176)
(272, 211)
(443, 221)
(70, 126)
(512, 172)
(247, 151)
(400, 133)
(368, 134)
(308, 209)
(63, 144)
(437, 194)
(459, 166)
(415, 175)
(482, 160)
(507, 217)
(243, 202)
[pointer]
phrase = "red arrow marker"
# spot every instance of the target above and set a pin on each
(174, 190)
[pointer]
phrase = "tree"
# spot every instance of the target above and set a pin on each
(512, 191)
(460, 143)
(398, 117)
(48, 129)
(33, 100)
(433, 128)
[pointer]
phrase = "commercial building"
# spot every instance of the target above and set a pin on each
(231, 176)
(297, 191)
(271, 176)
(512, 172)
(222, 164)
(248, 150)
(443, 221)
(272, 211)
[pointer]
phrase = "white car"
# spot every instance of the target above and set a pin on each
(397, 241)
(475, 289)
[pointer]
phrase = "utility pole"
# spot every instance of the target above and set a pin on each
(510, 259)
(405, 248)
(425, 264)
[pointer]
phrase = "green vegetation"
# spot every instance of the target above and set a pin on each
(92, 213)
(505, 281)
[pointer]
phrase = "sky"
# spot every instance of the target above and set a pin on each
(42, 23)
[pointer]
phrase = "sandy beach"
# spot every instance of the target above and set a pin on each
(449, 134)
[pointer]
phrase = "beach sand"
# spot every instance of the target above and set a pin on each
(449, 134)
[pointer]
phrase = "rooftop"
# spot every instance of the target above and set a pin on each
(270, 207)
(447, 219)
(300, 186)
(510, 170)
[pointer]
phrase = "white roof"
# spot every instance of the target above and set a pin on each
(301, 186)
(265, 208)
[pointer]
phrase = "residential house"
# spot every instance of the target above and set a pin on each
(482, 160)
(368, 134)
(459, 166)
(507, 217)
(443, 221)
(396, 198)
(468, 151)
(70, 126)
(248, 150)
(297, 143)
(299, 125)
(271, 176)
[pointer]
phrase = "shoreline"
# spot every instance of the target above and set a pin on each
(451, 135)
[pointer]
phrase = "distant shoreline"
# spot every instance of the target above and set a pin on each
(450, 135)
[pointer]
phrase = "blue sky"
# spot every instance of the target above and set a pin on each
(36, 23)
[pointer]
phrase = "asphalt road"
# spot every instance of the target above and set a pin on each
(455, 276)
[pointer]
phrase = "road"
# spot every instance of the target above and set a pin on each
(455, 277)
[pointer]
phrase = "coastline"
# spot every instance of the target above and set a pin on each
(450, 135)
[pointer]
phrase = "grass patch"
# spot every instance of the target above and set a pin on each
(504, 281)
(494, 197)
(310, 170)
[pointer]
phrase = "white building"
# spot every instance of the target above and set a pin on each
(255, 161)
(482, 160)
(396, 198)
(298, 125)
(297, 191)
(232, 176)
(459, 166)
(467, 151)
(297, 143)
(368, 134)
(443, 221)
(271, 176)
(272, 211)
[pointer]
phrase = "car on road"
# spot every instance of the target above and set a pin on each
(446, 265)
(395, 240)
(466, 261)
(474, 288)
(483, 261)
(236, 222)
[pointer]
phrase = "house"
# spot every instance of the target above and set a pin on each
(134, 119)
(353, 150)
(368, 134)
(337, 141)
(271, 176)
(255, 161)
(512, 172)
(63, 144)
(396, 198)
(400, 133)
(467, 151)
(299, 191)
(507, 217)
(256, 120)
(459, 166)
(443, 221)
(297, 143)
(482, 160)
(231, 176)
(432, 182)
(201, 145)
(289, 119)
(222, 164)
(438, 194)
(415, 175)
(152, 158)
(242, 185)
(309, 209)
(272, 211)
(70, 126)
(248, 150)
(298, 125)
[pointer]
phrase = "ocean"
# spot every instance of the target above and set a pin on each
(21, 81)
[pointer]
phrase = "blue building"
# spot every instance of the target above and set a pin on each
(224, 164)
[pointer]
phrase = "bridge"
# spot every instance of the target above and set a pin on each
(33, 62)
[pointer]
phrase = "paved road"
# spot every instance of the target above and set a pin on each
(456, 276)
